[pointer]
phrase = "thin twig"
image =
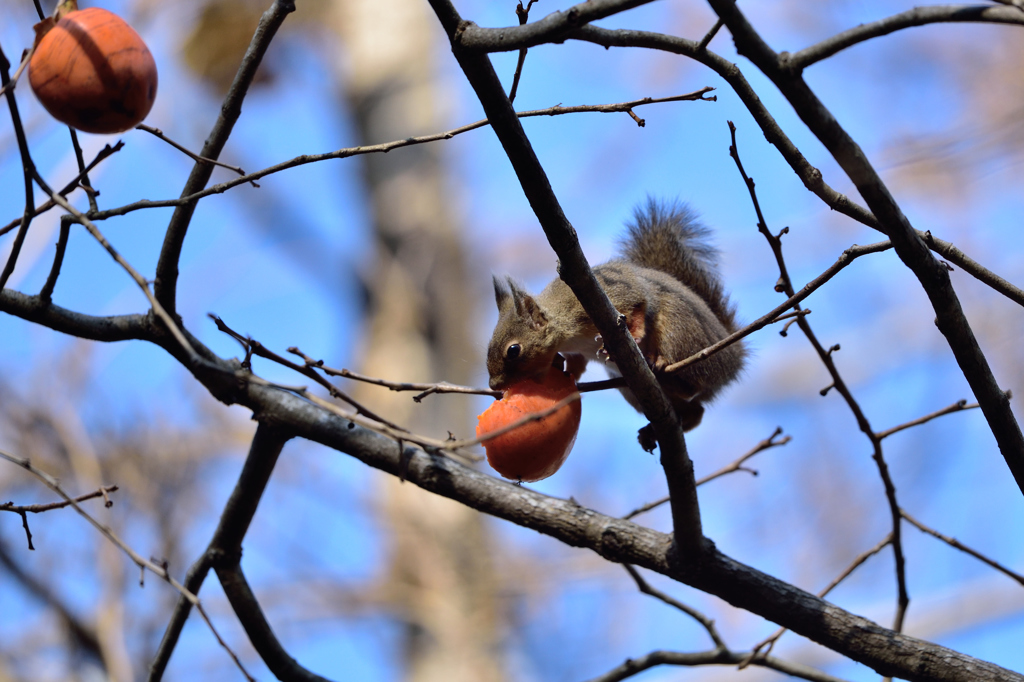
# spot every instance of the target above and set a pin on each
(46, 293)
(526, 419)
(634, 666)
(386, 147)
(254, 347)
(958, 406)
(737, 465)
(171, 324)
(759, 650)
(27, 168)
(524, 15)
(848, 256)
(83, 172)
(192, 155)
(69, 187)
(710, 35)
(145, 564)
(427, 388)
(785, 283)
(44, 507)
(953, 542)
(707, 623)
(9, 86)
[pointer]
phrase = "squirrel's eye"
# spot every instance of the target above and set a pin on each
(512, 352)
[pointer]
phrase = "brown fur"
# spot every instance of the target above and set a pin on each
(667, 286)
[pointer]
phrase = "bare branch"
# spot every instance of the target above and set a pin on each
(973, 268)
(785, 284)
(83, 172)
(623, 542)
(918, 16)
(776, 314)
(523, 13)
(760, 651)
(958, 406)
(953, 542)
(425, 388)
(438, 387)
(44, 507)
(166, 284)
(254, 347)
(184, 150)
(634, 666)
(710, 35)
(145, 564)
(574, 269)
(42, 311)
(107, 151)
(737, 465)
(808, 174)
(171, 324)
(385, 147)
(552, 28)
(250, 615)
(226, 544)
(932, 275)
(27, 168)
(707, 623)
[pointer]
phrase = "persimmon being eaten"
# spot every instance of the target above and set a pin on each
(92, 71)
(536, 449)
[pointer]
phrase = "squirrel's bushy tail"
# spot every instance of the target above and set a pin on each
(670, 238)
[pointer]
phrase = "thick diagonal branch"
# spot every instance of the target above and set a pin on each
(574, 270)
(166, 284)
(226, 545)
(887, 652)
(908, 244)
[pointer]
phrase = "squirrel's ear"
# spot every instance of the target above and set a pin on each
(527, 307)
(501, 293)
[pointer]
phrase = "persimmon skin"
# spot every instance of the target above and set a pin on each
(93, 72)
(537, 449)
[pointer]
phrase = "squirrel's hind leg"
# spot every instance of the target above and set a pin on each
(689, 414)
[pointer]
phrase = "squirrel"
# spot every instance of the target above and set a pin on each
(665, 282)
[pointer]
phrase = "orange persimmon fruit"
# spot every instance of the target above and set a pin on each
(536, 449)
(92, 71)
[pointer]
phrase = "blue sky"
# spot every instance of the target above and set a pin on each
(280, 263)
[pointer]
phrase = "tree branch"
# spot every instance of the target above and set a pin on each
(385, 147)
(808, 174)
(41, 311)
(634, 666)
(551, 29)
(166, 283)
(263, 639)
(620, 541)
(933, 276)
(918, 16)
(226, 544)
(575, 271)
